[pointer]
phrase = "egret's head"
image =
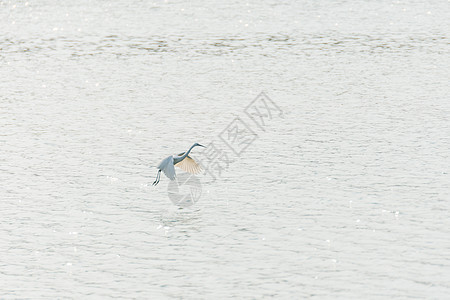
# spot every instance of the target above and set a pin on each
(197, 144)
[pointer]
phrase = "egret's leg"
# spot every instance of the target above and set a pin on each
(157, 178)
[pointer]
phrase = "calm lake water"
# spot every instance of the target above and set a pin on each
(345, 196)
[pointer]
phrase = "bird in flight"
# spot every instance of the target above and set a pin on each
(182, 160)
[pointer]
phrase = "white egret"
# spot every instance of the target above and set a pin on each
(182, 160)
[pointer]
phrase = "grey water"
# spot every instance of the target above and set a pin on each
(345, 196)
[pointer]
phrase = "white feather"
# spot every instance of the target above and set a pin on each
(189, 165)
(167, 167)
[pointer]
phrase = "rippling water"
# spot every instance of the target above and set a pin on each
(347, 196)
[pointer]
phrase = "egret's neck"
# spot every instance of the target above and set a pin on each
(187, 152)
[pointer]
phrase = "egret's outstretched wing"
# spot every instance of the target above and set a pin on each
(189, 165)
(168, 168)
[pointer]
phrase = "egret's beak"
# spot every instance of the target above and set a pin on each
(201, 146)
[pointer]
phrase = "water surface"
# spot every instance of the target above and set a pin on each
(345, 197)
